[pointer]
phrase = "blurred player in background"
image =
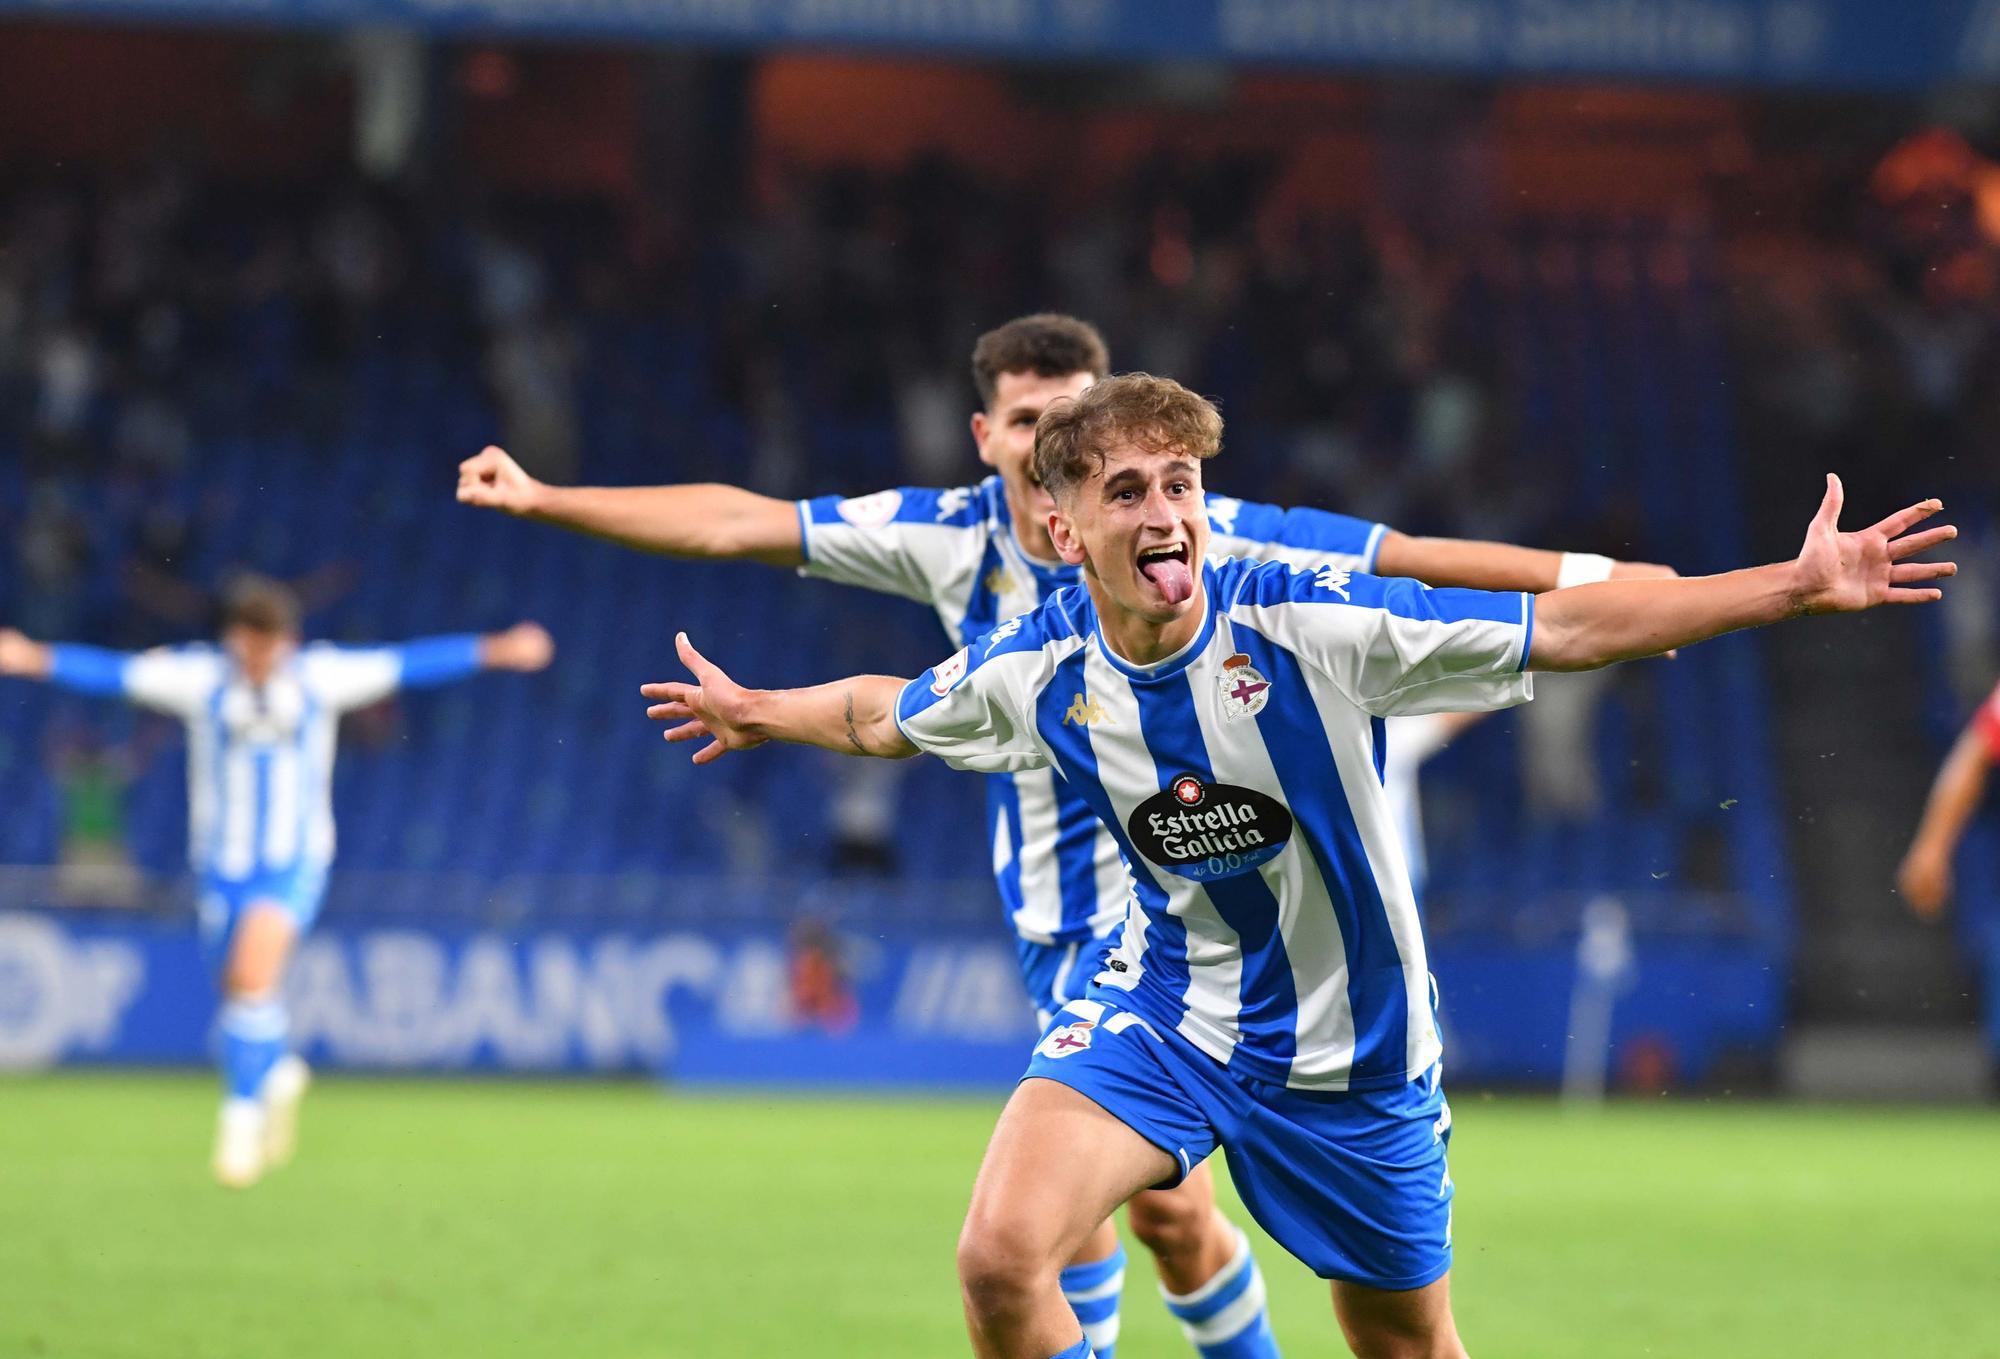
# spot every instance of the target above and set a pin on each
(1268, 991)
(980, 554)
(1925, 875)
(262, 715)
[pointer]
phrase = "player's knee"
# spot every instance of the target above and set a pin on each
(1001, 1266)
(1175, 1224)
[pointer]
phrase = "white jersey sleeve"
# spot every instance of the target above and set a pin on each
(1394, 646)
(976, 710)
(350, 677)
(176, 680)
(1298, 537)
(909, 541)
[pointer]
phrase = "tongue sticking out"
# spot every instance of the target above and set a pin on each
(1171, 577)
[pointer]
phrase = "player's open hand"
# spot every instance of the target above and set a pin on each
(492, 480)
(714, 706)
(1847, 572)
(526, 647)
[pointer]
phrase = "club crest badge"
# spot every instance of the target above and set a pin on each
(1244, 690)
(1066, 1039)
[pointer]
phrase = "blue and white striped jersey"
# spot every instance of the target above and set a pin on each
(1272, 923)
(260, 760)
(1060, 875)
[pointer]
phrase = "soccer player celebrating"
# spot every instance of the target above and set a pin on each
(980, 554)
(1268, 990)
(262, 714)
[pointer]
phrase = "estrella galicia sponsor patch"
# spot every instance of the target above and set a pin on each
(1206, 831)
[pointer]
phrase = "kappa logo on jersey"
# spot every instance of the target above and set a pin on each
(1069, 1038)
(1222, 512)
(1334, 579)
(1083, 711)
(1004, 631)
(1205, 831)
(952, 501)
(1245, 691)
(945, 678)
(871, 511)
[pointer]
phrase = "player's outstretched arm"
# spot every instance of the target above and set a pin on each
(704, 520)
(1590, 626)
(1501, 566)
(1924, 876)
(853, 716)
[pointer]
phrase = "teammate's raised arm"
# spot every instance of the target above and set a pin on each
(22, 657)
(698, 520)
(1596, 625)
(1501, 566)
(854, 716)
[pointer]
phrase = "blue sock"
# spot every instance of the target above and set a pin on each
(1225, 1317)
(253, 1039)
(1093, 1292)
(1080, 1350)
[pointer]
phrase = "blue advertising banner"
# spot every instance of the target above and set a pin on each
(767, 1007)
(1836, 42)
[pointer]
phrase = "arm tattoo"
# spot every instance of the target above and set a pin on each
(852, 738)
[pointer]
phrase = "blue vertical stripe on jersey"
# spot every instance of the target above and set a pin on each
(1165, 959)
(260, 803)
(983, 603)
(1269, 1021)
(1378, 734)
(1076, 860)
(1297, 743)
(1003, 802)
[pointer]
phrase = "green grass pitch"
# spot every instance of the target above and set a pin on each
(479, 1219)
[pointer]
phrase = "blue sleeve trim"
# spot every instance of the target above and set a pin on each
(1527, 628)
(88, 669)
(439, 660)
(805, 534)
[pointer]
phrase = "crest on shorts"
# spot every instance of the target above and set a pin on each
(1244, 690)
(1068, 1038)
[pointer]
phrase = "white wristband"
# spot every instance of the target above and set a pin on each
(1582, 568)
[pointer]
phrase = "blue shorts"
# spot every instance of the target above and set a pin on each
(1056, 974)
(1354, 1184)
(297, 891)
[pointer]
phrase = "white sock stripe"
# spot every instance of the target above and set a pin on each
(1108, 1289)
(1222, 1279)
(1102, 1335)
(1231, 1321)
(255, 1019)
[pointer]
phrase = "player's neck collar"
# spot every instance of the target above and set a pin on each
(1181, 657)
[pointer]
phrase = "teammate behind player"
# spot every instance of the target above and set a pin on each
(977, 555)
(1268, 990)
(262, 715)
